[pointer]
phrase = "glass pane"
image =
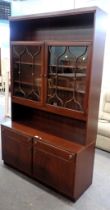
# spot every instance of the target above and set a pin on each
(27, 71)
(67, 72)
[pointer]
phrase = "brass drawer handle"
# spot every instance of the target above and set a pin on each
(70, 156)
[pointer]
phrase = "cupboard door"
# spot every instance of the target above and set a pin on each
(17, 149)
(27, 67)
(54, 167)
(68, 70)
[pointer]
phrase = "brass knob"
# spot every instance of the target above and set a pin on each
(70, 156)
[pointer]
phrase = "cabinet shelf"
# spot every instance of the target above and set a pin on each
(70, 75)
(67, 89)
(27, 63)
(26, 83)
(81, 68)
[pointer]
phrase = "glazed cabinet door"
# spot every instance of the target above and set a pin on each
(54, 167)
(27, 72)
(17, 149)
(67, 73)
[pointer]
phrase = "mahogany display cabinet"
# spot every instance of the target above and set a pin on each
(56, 70)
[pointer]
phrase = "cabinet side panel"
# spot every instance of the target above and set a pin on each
(84, 170)
(96, 76)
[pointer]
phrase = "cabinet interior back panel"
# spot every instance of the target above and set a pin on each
(79, 27)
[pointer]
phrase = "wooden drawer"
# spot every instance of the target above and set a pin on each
(54, 166)
(17, 149)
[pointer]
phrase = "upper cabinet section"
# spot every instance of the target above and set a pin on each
(57, 60)
(27, 66)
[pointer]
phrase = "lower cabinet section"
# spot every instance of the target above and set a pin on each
(68, 171)
(17, 149)
(54, 166)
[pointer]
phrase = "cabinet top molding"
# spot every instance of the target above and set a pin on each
(55, 14)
